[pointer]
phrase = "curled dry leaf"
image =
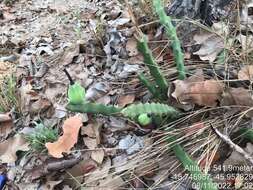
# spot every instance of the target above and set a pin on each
(246, 73)
(69, 138)
(198, 91)
(9, 148)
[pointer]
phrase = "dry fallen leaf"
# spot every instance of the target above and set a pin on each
(90, 143)
(246, 73)
(86, 166)
(131, 47)
(98, 156)
(39, 106)
(70, 54)
(100, 172)
(240, 97)
(9, 148)
(237, 96)
(198, 91)
(211, 43)
(69, 138)
(6, 125)
(88, 130)
(125, 100)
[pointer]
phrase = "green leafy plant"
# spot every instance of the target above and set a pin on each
(40, 136)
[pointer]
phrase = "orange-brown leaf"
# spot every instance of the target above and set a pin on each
(198, 91)
(69, 138)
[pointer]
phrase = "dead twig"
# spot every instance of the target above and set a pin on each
(234, 146)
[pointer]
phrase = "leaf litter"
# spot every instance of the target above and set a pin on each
(96, 43)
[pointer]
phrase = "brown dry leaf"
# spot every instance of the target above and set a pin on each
(211, 43)
(98, 156)
(131, 47)
(69, 138)
(6, 125)
(88, 130)
(125, 100)
(238, 96)
(86, 166)
(9, 148)
(26, 95)
(100, 172)
(39, 106)
(246, 73)
(90, 143)
(70, 54)
(198, 91)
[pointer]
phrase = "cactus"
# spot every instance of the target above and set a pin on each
(154, 70)
(203, 181)
(148, 84)
(94, 108)
(172, 34)
(76, 93)
(158, 109)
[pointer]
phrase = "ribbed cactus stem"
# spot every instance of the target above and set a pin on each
(154, 70)
(203, 181)
(172, 34)
(94, 108)
(149, 85)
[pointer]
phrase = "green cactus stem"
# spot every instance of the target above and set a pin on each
(94, 108)
(154, 70)
(246, 134)
(203, 181)
(172, 34)
(156, 109)
(149, 85)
